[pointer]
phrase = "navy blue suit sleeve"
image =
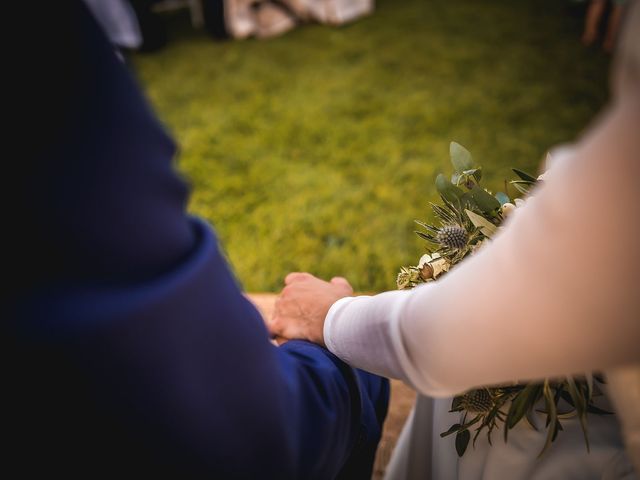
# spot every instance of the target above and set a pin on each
(136, 348)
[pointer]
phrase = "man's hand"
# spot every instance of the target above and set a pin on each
(302, 306)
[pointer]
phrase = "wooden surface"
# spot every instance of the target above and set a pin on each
(402, 398)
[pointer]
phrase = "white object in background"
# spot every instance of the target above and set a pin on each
(264, 19)
(332, 12)
(338, 12)
(239, 18)
(272, 20)
(244, 18)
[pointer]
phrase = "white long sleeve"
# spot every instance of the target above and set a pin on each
(556, 292)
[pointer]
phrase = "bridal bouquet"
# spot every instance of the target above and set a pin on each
(467, 218)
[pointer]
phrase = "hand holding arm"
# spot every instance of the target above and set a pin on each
(303, 305)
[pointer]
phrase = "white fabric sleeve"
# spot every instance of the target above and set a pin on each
(556, 292)
(377, 314)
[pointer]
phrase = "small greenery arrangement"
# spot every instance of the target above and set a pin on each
(469, 216)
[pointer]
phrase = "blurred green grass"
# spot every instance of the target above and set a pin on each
(316, 151)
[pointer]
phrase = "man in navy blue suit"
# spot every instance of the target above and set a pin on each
(128, 347)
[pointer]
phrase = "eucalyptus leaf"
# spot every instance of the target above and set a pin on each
(525, 176)
(460, 157)
(485, 201)
(462, 441)
(475, 173)
(467, 201)
(487, 228)
(454, 428)
(447, 189)
(521, 403)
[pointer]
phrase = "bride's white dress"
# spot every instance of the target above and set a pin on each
(422, 454)
(557, 292)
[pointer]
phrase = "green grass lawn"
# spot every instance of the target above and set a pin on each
(316, 151)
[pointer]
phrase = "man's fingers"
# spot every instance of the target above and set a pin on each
(282, 321)
(296, 277)
(272, 326)
(278, 328)
(275, 324)
(342, 282)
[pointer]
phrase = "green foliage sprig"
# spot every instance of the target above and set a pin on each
(468, 216)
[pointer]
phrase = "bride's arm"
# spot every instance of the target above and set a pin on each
(556, 292)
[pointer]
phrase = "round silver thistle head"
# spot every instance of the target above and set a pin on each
(453, 236)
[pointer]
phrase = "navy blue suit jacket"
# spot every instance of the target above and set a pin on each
(128, 347)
